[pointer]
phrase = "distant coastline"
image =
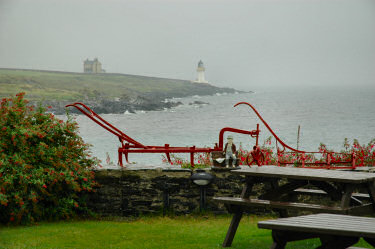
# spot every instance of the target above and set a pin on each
(104, 93)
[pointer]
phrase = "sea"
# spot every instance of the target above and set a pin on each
(325, 115)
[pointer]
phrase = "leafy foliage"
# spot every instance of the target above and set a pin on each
(201, 160)
(365, 154)
(44, 164)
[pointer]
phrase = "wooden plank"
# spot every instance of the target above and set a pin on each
(347, 195)
(279, 205)
(331, 190)
(307, 207)
(334, 219)
(333, 224)
(237, 215)
(322, 229)
(322, 192)
(307, 174)
(371, 191)
(277, 192)
(232, 229)
(328, 189)
(242, 202)
(246, 191)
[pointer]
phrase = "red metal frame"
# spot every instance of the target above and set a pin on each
(129, 145)
(328, 163)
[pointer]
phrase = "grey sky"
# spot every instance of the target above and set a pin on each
(244, 44)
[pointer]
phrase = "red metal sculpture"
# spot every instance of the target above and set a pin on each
(342, 160)
(129, 145)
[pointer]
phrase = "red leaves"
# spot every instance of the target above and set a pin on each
(21, 94)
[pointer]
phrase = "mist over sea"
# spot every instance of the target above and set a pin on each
(326, 115)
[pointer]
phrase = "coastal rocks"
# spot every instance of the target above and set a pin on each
(128, 100)
(198, 103)
(113, 106)
(131, 101)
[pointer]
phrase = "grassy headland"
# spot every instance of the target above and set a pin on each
(131, 90)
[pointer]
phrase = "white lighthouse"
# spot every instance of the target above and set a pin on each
(200, 71)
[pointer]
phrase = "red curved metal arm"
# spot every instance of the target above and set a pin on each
(103, 123)
(328, 162)
(268, 127)
(252, 133)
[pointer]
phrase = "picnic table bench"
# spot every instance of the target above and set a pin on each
(335, 231)
(286, 182)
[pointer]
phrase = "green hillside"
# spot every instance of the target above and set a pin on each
(63, 86)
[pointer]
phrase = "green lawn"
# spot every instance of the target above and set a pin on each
(149, 232)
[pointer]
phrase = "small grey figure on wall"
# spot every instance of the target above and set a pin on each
(230, 151)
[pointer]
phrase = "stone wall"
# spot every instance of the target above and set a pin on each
(128, 192)
(138, 190)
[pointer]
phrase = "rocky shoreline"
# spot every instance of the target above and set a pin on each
(103, 93)
(135, 102)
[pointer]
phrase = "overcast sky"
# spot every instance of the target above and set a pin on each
(243, 43)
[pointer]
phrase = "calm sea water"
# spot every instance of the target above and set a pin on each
(325, 115)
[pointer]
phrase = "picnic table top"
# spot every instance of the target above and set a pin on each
(307, 174)
(333, 224)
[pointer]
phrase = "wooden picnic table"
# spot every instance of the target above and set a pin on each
(286, 182)
(334, 231)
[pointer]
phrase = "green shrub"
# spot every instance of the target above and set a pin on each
(44, 164)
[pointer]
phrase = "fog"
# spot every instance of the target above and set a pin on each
(244, 44)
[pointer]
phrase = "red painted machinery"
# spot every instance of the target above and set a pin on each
(302, 158)
(129, 145)
(292, 157)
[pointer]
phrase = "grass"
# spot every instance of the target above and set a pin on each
(146, 232)
(71, 86)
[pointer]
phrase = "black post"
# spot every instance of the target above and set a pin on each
(202, 204)
(166, 201)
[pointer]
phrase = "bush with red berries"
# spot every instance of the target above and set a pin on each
(45, 167)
